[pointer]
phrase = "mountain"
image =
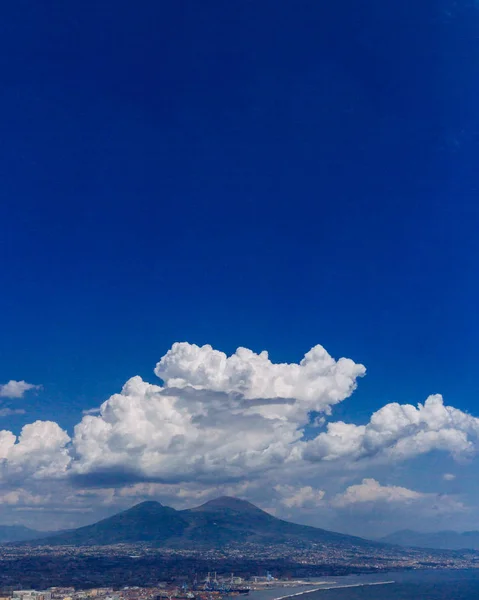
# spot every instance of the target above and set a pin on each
(229, 505)
(146, 522)
(19, 533)
(214, 524)
(226, 520)
(441, 540)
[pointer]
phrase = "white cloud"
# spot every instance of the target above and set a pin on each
(152, 433)
(22, 497)
(316, 383)
(91, 411)
(16, 389)
(236, 426)
(302, 497)
(448, 477)
(220, 419)
(397, 432)
(369, 490)
(39, 452)
(6, 412)
(216, 417)
(371, 493)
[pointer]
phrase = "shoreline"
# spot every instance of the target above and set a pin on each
(331, 586)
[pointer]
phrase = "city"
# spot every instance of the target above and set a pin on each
(140, 565)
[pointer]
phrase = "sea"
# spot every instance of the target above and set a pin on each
(410, 585)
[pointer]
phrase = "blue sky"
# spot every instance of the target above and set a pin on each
(238, 174)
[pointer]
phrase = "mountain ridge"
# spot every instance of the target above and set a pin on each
(228, 503)
(217, 523)
(439, 540)
(18, 533)
(147, 521)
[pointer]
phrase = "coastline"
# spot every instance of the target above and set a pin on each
(323, 585)
(309, 591)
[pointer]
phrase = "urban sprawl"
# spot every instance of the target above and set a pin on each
(141, 572)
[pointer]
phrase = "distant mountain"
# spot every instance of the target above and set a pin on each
(215, 524)
(19, 533)
(441, 540)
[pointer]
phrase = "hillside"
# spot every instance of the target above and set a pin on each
(215, 524)
(18, 533)
(440, 540)
(226, 520)
(148, 522)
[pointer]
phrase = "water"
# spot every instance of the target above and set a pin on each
(420, 585)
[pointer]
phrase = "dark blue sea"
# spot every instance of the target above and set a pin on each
(415, 585)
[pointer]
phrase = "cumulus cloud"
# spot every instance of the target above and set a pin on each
(300, 497)
(91, 411)
(448, 477)
(21, 497)
(16, 389)
(397, 432)
(216, 417)
(237, 425)
(158, 434)
(40, 452)
(370, 494)
(370, 490)
(316, 383)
